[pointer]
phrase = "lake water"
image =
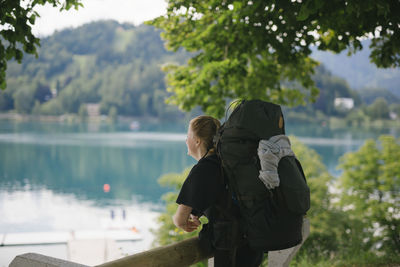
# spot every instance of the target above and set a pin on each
(52, 175)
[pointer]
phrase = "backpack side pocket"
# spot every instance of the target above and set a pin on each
(293, 185)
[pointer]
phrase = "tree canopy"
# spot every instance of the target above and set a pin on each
(370, 192)
(261, 49)
(16, 21)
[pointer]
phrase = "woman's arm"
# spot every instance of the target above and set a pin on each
(183, 219)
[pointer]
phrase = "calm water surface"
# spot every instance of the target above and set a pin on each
(52, 174)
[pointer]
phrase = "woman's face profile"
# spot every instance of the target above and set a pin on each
(192, 143)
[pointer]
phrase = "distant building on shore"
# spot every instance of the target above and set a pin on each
(93, 109)
(344, 103)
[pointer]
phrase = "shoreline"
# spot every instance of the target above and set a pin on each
(72, 118)
(331, 122)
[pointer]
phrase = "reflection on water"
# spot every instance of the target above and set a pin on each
(83, 163)
(52, 178)
(46, 210)
(68, 158)
(350, 133)
(43, 210)
(120, 139)
(52, 175)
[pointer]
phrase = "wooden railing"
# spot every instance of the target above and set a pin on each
(184, 253)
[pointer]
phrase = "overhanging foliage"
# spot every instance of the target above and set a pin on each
(261, 49)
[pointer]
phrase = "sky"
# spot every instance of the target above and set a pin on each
(130, 11)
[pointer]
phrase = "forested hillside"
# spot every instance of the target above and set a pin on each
(119, 67)
(116, 65)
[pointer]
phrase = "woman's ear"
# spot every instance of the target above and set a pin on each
(198, 141)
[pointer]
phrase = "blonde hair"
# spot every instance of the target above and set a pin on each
(205, 127)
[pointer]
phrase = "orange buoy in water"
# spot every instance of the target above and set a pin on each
(106, 188)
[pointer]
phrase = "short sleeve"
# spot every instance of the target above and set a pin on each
(201, 187)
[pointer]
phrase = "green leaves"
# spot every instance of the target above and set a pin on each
(309, 8)
(17, 32)
(232, 60)
(246, 49)
(371, 190)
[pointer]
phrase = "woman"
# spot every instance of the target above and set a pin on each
(203, 189)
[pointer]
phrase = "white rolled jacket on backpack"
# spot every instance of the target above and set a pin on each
(270, 153)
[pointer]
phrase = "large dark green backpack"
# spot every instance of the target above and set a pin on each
(268, 219)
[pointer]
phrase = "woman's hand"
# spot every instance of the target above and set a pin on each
(195, 219)
(192, 223)
(185, 220)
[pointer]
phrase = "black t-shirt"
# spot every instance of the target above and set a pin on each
(202, 190)
(203, 186)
